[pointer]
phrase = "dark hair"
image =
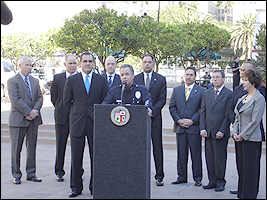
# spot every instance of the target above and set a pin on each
(193, 68)
(253, 76)
(149, 56)
(236, 57)
(87, 53)
(127, 65)
(221, 71)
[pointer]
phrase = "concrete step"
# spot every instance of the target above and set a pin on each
(46, 135)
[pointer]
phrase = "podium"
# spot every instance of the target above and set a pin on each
(122, 152)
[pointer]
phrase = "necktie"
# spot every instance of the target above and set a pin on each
(187, 93)
(109, 81)
(27, 84)
(147, 81)
(87, 84)
(216, 94)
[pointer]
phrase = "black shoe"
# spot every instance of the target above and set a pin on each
(159, 182)
(233, 191)
(59, 178)
(178, 182)
(209, 186)
(16, 181)
(34, 178)
(198, 183)
(75, 193)
(219, 188)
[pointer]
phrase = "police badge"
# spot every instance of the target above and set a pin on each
(120, 115)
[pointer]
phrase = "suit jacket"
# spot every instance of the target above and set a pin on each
(79, 104)
(239, 92)
(190, 109)
(61, 113)
(157, 89)
(116, 81)
(214, 115)
(247, 120)
(21, 101)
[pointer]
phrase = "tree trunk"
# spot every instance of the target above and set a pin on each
(225, 12)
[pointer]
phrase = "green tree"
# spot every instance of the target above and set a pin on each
(260, 45)
(99, 31)
(242, 34)
(205, 37)
(225, 4)
(36, 46)
(161, 40)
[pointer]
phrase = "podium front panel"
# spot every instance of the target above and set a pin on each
(121, 157)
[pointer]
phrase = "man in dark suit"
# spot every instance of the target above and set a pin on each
(215, 128)
(24, 118)
(239, 92)
(110, 66)
(61, 113)
(236, 73)
(156, 85)
(184, 108)
(81, 92)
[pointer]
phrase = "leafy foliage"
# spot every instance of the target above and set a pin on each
(36, 46)
(243, 34)
(261, 47)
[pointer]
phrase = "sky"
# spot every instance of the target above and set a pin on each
(40, 16)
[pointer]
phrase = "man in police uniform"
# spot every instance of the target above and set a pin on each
(133, 94)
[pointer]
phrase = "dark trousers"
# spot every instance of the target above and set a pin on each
(184, 143)
(156, 135)
(77, 149)
(248, 165)
(236, 81)
(62, 133)
(216, 155)
(17, 135)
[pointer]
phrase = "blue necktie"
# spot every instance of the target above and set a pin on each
(87, 84)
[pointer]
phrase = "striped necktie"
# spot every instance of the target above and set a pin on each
(109, 81)
(27, 84)
(187, 93)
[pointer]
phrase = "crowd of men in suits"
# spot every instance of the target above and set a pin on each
(197, 113)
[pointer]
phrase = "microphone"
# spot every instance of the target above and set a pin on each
(122, 89)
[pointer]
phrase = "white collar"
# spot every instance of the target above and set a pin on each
(68, 74)
(190, 86)
(84, 75)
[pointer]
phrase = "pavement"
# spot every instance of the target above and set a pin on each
(49, 188)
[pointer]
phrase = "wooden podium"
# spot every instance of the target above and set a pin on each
(122, 152)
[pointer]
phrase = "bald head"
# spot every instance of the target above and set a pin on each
(245, 66)
(110, 65)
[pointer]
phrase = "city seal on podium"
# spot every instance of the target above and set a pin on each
(120, 115)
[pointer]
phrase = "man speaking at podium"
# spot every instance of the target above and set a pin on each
(129, 93)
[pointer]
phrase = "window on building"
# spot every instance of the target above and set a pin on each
(219, 11)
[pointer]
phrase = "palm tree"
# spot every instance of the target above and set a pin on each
(225, 4)
(242, 34)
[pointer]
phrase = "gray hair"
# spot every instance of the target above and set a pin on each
(127, 65)
(70, 54)
(22, 58)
